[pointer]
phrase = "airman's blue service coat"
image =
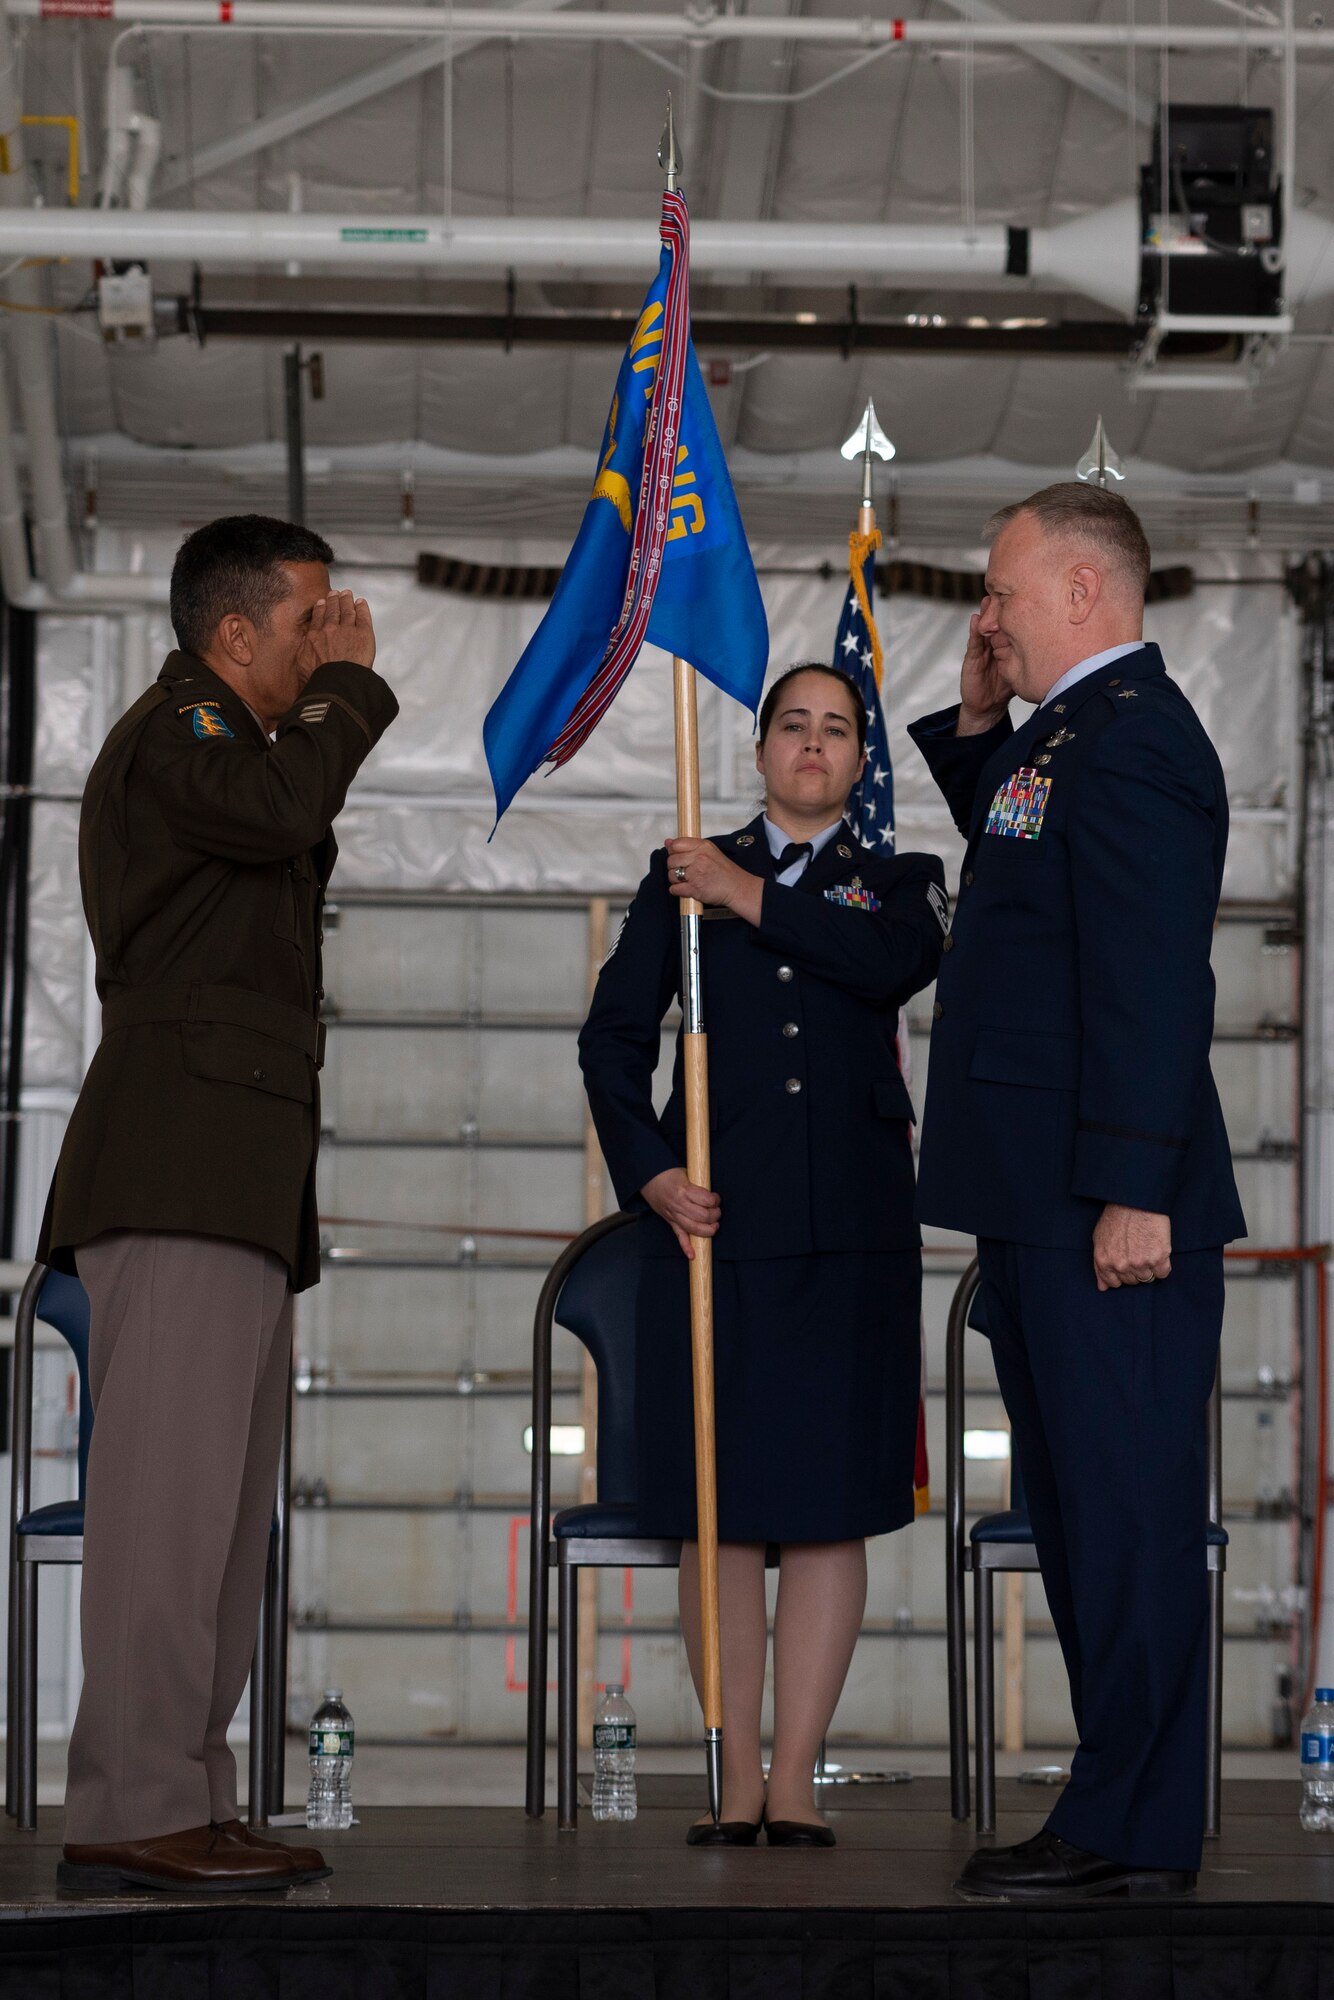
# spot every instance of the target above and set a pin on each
(1074, 1007)
(809, 1114)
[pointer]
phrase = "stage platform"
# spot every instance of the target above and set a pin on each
(479, 1903)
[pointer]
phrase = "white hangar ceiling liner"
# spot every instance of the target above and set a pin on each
(570, 129)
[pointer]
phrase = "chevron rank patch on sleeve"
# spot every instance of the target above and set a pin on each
(940, 903)
(314, 711)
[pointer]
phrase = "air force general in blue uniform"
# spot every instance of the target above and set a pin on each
(1070, 1070)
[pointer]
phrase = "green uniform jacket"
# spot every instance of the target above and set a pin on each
(204, 852)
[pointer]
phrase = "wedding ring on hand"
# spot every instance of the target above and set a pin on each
(680, 874)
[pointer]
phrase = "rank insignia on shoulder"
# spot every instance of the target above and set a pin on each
(1018, 807)
(1128, 694)
(852, 896)
(745, 840)
(314, 711)
(207, 719)
(940, 904)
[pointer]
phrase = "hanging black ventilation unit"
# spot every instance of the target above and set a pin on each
(1211, 214)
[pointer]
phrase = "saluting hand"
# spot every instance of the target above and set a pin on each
(697, 868)
(984, 693)
(691, 1210)
(340, 629)
(1131, 1246)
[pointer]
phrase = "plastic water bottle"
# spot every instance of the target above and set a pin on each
(614, 1733)
(1317, 1813)
(332, 1741)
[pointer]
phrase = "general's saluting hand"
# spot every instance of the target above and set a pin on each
(340, 629)
(984, 693)
(691, 1210)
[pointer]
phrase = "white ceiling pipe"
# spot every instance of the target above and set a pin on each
(701, 28)
(1096, 255)
(483, 244)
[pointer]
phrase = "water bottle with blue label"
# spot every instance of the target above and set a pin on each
(1317, 1814)
(614, 1733)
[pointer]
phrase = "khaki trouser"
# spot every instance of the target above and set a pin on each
(189, 1366)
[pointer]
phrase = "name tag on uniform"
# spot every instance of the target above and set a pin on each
(1018, 807)
(852, 896)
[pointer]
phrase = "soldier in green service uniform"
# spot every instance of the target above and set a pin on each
(185, 1190)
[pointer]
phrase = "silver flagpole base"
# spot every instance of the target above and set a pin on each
(713, 1753)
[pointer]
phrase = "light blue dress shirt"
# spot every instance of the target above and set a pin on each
(1089, 666)
(778, 840)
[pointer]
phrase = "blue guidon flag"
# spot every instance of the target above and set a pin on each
(661, 554)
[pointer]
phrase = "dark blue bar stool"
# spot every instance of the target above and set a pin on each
(54, 1534)
(999, 1544)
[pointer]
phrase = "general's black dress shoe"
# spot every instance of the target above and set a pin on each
(728, 1833)
(1047, 1869)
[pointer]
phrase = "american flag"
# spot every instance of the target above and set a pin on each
(857, 652)
(871, 815)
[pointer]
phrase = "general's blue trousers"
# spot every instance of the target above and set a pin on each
(1107, 1393)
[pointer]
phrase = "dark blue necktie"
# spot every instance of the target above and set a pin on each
(796, 850)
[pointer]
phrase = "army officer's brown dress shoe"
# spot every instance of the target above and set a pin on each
(307, 1862)
(201, 1861)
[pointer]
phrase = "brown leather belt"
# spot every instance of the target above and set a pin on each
(235, 1006)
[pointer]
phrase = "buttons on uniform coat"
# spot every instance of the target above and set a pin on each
(790, 1028)
(260, 1075)
(785, 972)
(947, 942)
(967, 878)
(937, 1012)
(792, 1086)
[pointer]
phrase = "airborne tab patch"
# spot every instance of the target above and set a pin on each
(207, 718)
(1018, 807)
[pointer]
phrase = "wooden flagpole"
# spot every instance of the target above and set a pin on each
(695, 1048)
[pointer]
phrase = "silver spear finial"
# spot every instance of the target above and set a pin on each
(1100, 465)
(868, 442)
(668, 158)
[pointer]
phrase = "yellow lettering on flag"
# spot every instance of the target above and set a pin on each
(688, 516)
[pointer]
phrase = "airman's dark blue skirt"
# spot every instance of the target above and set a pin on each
(817, 1365)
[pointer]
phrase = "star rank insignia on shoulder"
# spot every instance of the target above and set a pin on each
(1128, 694)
